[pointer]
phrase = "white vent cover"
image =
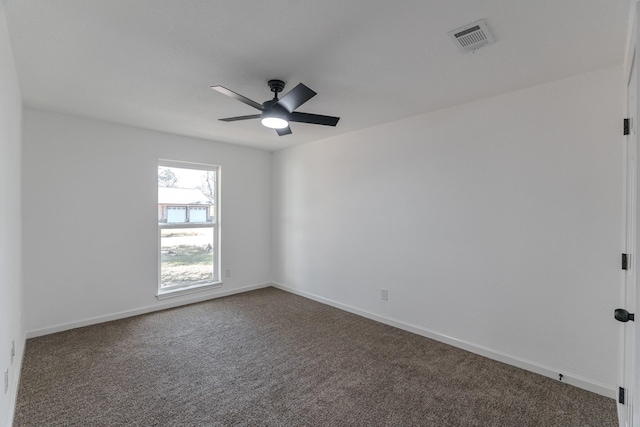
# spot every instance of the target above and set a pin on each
(472, 36)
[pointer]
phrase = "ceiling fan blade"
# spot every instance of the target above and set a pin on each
(284, 131)
(315, 119)
(235, 119)
(223, 90)
(296, 97)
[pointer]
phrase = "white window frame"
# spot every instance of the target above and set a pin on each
(169, 292)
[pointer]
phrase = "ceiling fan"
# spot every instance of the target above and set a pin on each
(277, 113)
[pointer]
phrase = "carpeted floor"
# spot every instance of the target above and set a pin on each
(270, 358)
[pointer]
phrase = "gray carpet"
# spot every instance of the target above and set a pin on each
(270, 358)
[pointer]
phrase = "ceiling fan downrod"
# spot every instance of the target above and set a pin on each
(276, 86)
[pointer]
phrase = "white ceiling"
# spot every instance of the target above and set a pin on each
(150, 63)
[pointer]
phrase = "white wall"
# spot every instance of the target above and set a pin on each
(11, 324)
(90, 218)
(494, 225)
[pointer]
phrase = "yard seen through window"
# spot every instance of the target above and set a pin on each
(188, 225)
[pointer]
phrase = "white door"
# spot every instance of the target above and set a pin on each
(628, 379)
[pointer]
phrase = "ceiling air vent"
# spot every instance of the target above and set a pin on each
(472, 37)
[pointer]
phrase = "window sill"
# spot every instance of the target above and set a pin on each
(172, 293)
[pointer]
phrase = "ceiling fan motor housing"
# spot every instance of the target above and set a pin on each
(273, 109)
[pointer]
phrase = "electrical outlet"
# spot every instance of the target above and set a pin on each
(6, 381)
(227, 272)
(13, 350)
(384, 294)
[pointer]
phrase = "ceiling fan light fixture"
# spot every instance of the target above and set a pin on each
(275, 118)
(274, 122)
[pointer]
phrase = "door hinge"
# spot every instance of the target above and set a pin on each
(620, 395)
(626, 127)
(625, 262)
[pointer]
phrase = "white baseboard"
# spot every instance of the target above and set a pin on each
(143, 310)
(567, 377)
(14, 387)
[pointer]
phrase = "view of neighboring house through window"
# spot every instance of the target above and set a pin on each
(188, 224)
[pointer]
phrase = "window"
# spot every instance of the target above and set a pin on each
(188, 226)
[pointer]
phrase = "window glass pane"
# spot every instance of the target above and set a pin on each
(186, 195)
(186, 256)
